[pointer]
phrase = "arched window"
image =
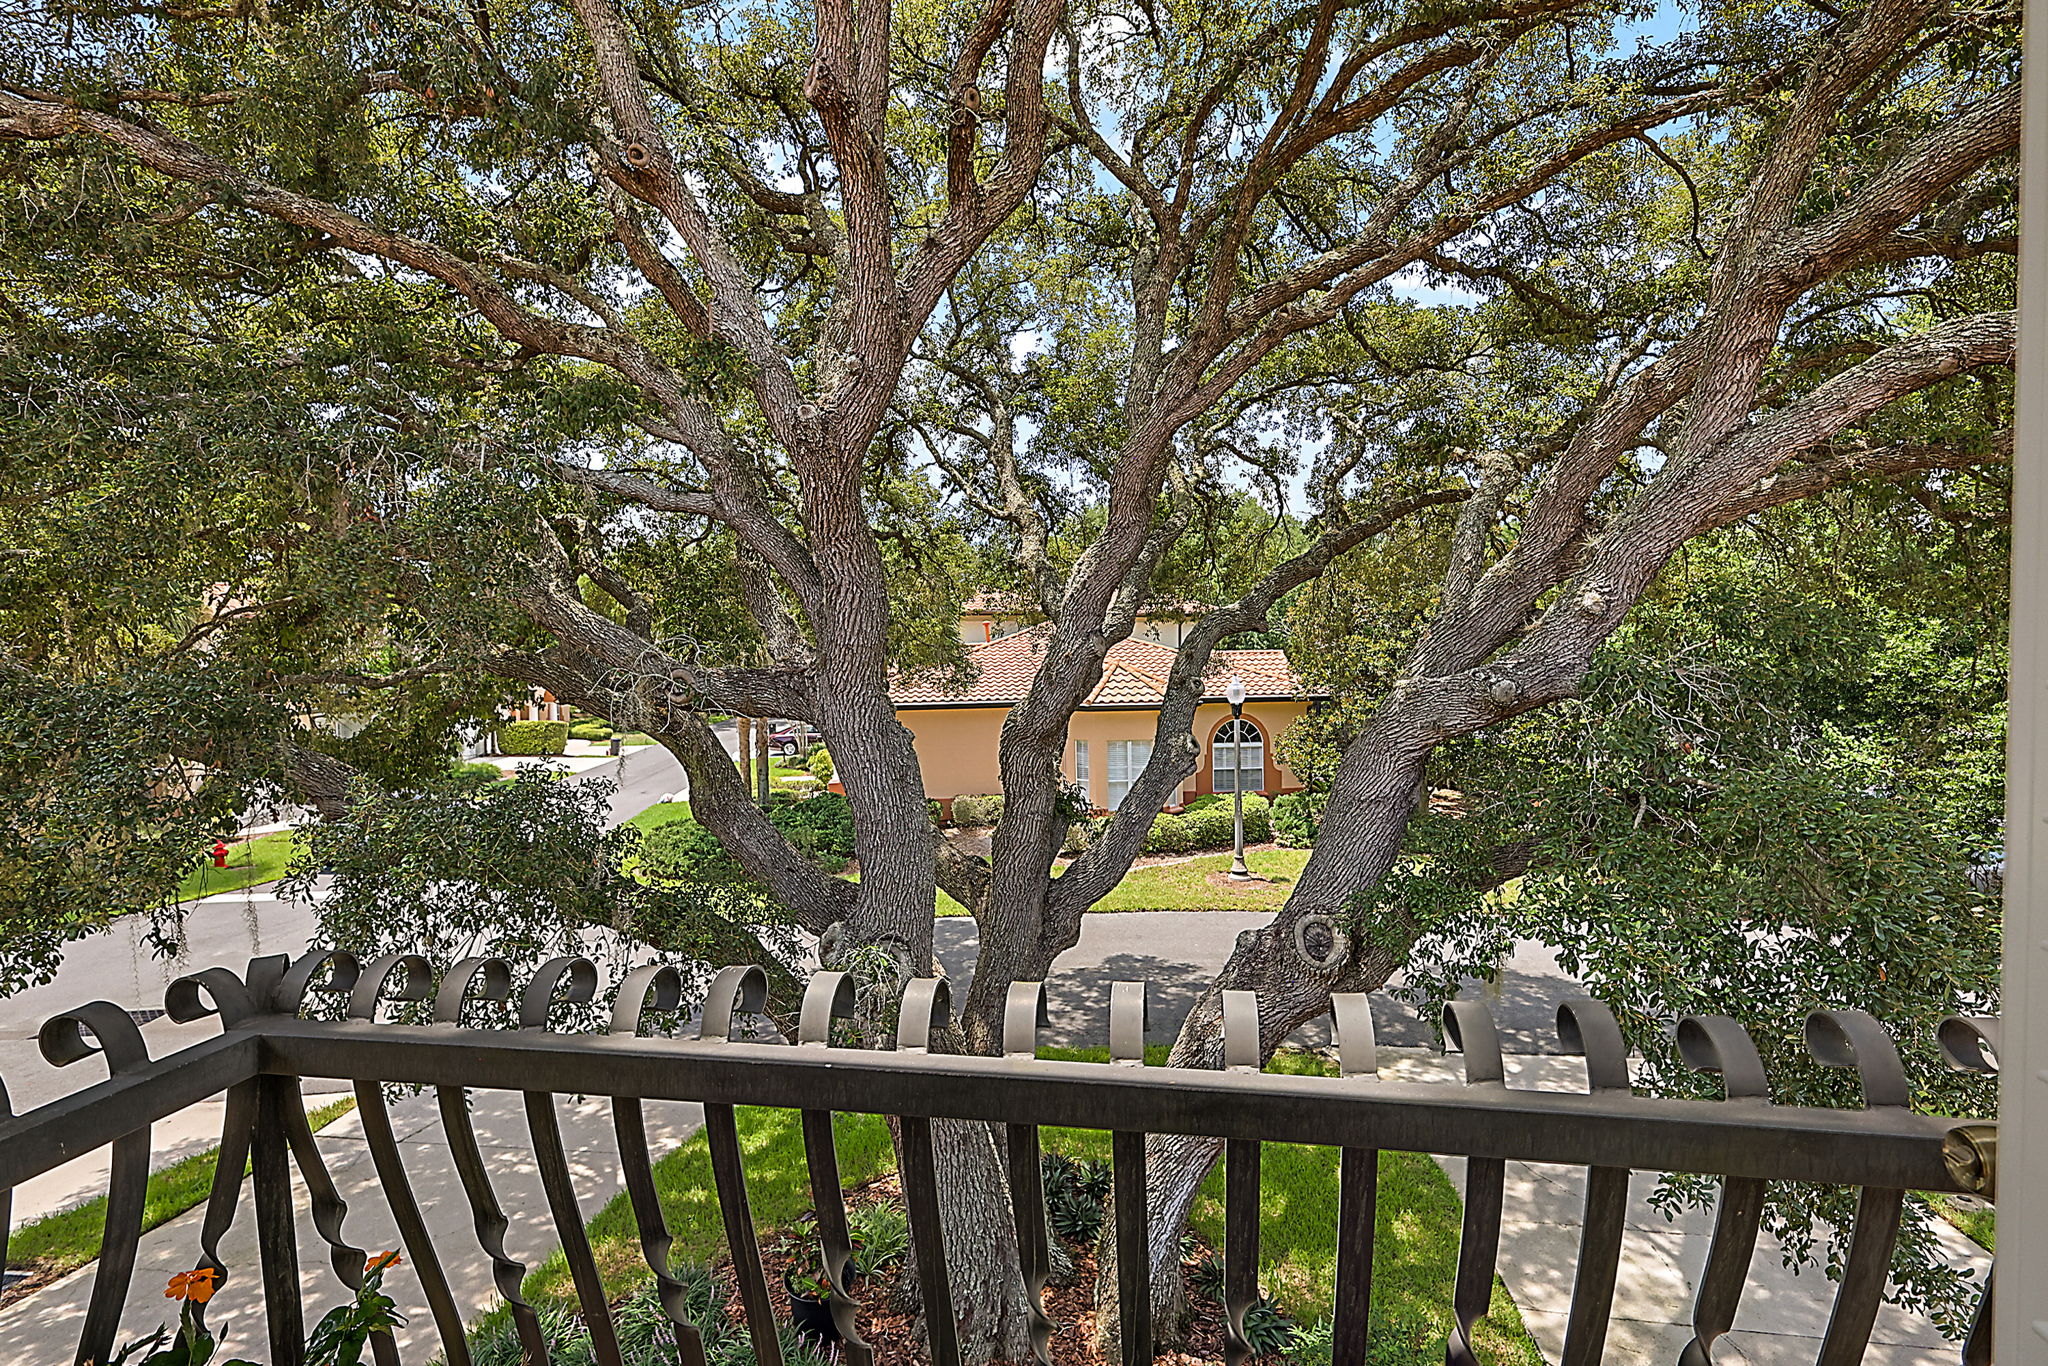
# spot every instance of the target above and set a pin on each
(1237, 757)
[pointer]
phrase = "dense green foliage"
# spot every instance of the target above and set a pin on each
(1770, 797)
(533, 737)
(684, 853)
(1210, 822)
(520, 871)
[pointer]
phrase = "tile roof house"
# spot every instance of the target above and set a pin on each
(1110, 737)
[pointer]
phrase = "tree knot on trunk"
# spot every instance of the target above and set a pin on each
(1322, 944)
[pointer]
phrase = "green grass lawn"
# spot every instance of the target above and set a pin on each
(1415, 1242)
(659, 814)
(1161, 887)
(262, 859)
(63, 1242)
(1978, 1224)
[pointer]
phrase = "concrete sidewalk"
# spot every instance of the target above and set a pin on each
(1782, 1315)
(44, 1327)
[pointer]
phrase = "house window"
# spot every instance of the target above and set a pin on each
(1127, 759)
(1081, 762)
(1237, 757)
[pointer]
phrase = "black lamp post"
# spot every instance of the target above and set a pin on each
(1235, 692)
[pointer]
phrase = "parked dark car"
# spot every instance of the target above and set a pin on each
(792, 738)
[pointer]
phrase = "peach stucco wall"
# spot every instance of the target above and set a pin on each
(957, 745)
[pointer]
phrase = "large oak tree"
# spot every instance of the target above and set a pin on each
(555, 298)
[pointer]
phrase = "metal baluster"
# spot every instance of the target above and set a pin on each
(1850, 1038)
(1240, 1185)
(739, 990)
(184, 1003)
(1358, 1185)
(1715, 1043)
(404, 977)
(1024, 1014)
(1587, 1027)
(62, 1040)
(1971, 1045)
(830, 997)
(1129, 1014)
(327, 1207)
(484, 979)
(659, 988)
(926, 1002)
(1468, 1025)
(574, 980)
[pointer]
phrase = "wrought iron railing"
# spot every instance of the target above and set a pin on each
(265, 1048)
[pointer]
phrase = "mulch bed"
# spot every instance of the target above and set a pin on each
(898, 1340)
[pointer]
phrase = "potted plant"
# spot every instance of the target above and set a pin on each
(809, 1307)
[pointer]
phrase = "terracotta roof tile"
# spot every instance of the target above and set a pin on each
(1134, 675)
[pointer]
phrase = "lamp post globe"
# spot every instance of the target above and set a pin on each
(1235, 692)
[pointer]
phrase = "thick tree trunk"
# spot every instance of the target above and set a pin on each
(1327, 938)
(987, 1308)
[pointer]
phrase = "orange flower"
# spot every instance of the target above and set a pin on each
(197, 1286)
(383, 1261)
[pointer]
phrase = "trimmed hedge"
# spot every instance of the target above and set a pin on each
(590, 730)
(978, 809)
(1297, 816)
(1208, 823)
(533, 737)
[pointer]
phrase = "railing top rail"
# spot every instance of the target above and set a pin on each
(1878, 1147)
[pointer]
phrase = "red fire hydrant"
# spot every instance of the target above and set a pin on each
(220, 853)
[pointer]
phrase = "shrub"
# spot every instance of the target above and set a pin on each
(1207, 822)
(533, 737)
(1074, 1194)
(983, 809)
(590, 730)
(820, 825)
(1298, 815)
(820, 764)
(470, 777)
(1170, 835)
(684, 851)
(646, 1338)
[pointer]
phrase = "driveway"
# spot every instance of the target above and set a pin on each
(1179, 952)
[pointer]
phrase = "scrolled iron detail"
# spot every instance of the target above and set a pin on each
(1718, 1044)
(1969, 1043)
(1024, 1014)
(297, 983)
(656, 987)
(735, 991)
(1588, 1028)
(927, 1003)
(1351, 1022)
(830, 996)
(572, 977)
(1130, 1014)
(1241, 1031)
(62, 1039)
(1852, 1038)
(394, 977)
(1469, 1028)
(185, 999)
(479, 979)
